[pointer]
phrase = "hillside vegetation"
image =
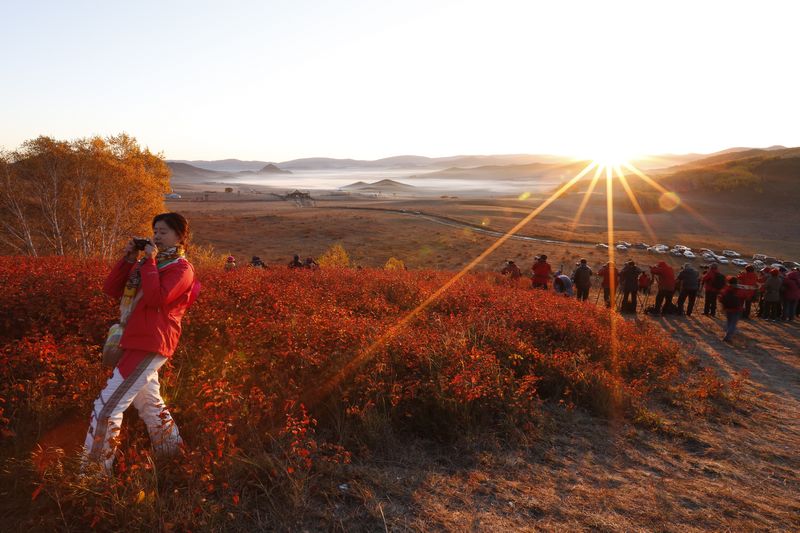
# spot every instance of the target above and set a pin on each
(283, 377)
(751, 170)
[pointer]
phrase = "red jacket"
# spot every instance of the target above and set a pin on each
(791, 285)
(541, 272)
(748, 283)
(606, 273)
(739, 293)
(708, 281)
(666, 276)
(155, 324)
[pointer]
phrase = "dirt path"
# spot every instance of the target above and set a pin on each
(768, 351)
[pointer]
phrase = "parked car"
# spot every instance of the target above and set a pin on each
(706, 251)
(739, 262)
(758, 265)
(759, 257)
(677, 252)
(722, 260)
(731, 253)
(688, 254)
(623, 243)
(791, 264)
(621, 248)
(640, 246)
(601, 246)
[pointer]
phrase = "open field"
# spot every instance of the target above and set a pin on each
(372, 229)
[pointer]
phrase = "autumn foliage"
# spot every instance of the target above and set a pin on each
(283, 374)
(83, 197)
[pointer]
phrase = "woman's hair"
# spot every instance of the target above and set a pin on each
(177, 223)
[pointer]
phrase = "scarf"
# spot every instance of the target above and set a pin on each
(131, 294)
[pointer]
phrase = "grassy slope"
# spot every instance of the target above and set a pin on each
(692, 466)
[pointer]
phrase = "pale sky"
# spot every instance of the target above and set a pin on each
(277, 80)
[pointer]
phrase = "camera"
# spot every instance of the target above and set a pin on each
(141, 243)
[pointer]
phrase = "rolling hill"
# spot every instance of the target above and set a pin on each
(752, 170)
(386, 185)
(530, 171)
(185, 171)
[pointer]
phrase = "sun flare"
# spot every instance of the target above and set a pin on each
(608, 156)
(611, 159)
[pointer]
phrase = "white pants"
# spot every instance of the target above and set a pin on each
(142, 389)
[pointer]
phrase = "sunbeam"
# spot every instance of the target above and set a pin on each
(586, 197)
(364, 356)
(610, 223)
(635, 203)
(660, 188)
(612, 315)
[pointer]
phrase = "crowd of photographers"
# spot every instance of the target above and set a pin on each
(770, 293)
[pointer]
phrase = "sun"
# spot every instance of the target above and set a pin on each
(612, 158)
(608, 156)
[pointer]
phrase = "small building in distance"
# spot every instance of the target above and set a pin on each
(300, 199)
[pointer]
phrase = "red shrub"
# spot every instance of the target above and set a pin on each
(259, 344)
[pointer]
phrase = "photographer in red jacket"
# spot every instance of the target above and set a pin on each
(541, 273)
(155, 292)
(748, 285)
(666, 285)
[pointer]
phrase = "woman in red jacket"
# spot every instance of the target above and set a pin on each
(155, 292)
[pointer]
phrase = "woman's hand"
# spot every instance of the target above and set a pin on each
(130, 251)
(150, 251)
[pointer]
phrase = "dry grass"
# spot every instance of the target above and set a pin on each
(736, 468)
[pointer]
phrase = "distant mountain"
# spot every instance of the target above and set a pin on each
(415, 161)
(186, 171)
(472, 161)
(272, 169)
(225, 165)
(531, 171)
(386, 185)
(462, 162)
